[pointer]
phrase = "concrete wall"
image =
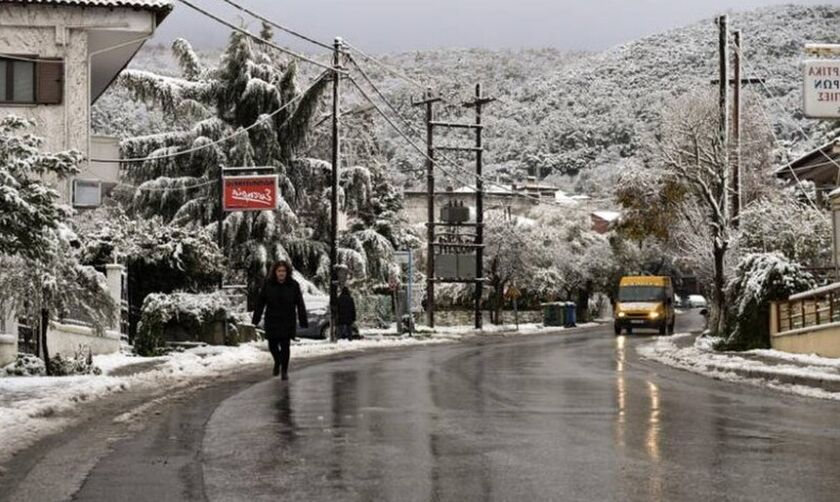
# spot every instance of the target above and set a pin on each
(75, 35)
(823, 341)
(8, 349)
(42, 32)
(67, 340)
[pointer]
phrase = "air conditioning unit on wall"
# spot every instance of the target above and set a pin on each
(87, 193)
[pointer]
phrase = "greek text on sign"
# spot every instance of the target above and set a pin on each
(250, 193)
(822, 88)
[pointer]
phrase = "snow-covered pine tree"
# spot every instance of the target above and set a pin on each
(247, 88)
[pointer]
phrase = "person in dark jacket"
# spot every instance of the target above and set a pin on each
(280, 298)
(346, 314)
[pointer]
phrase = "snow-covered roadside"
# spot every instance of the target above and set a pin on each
(802, 375)
(33, 407)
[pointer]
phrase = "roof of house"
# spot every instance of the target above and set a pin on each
(609, 216)
(160, 7)
(819, 165)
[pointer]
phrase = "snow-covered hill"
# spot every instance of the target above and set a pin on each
(573, 113)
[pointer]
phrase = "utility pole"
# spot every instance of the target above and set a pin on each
(477, 103)
(336, 160)
(723, 47)
(736, 130)
(428, 100)
(737, 179)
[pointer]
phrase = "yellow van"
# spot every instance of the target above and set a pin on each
(645, 302)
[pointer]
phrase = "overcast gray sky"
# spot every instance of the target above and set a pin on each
(404, 25)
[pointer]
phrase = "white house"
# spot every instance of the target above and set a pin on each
(56, 58)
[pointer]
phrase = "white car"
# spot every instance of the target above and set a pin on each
(696, 301)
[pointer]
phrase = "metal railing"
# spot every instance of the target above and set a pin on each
(817, 307)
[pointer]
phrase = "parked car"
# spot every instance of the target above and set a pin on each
(697, 301)
(317, 310)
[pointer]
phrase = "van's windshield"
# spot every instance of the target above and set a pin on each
(641, 294)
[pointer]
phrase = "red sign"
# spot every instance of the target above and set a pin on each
(251, 193)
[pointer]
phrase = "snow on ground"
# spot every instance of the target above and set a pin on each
(741, 367)
(33, 407)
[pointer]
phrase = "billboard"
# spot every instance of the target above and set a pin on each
(250, 193)
(822, 88)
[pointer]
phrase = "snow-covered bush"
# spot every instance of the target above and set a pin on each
(159, 258)
(759, 279)
(191, 311)
(25, 365)
(80, 364)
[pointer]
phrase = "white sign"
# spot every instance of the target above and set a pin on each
(822, 88)
(402, 257)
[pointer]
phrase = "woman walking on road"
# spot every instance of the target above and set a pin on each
(280, 297)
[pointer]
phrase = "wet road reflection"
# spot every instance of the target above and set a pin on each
(553, 418)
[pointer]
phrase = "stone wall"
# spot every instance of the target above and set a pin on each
(467, 317)
(67, 339)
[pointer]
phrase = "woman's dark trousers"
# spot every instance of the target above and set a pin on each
(279, 344)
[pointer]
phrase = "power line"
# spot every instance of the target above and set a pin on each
(258, 39)
(220, 140)
(798, 126)
(449, 161)
(386, 67)
(443, 156)
(276, 25)
(381, 94)
(169, 189)
(747, 71)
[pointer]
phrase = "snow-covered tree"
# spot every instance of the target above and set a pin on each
(254, 87)
(58, 283)
(507, 254)
(30, 211)
(39, 269)
(681, 197)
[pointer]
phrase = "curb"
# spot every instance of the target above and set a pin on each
(832, 386)
(825, 384)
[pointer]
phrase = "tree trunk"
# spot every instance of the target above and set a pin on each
(45, 352)
(717, 314)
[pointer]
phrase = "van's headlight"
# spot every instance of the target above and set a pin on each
(653, 315)
(621, 314)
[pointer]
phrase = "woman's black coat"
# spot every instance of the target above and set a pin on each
(279, 300)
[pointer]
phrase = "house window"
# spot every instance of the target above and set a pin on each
(87, 193)
(30, 82)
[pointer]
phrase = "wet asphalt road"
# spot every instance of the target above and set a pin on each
(565, 417)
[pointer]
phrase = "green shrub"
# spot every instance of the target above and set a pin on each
(759, 279)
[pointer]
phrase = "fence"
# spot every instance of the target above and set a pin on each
(817, 307)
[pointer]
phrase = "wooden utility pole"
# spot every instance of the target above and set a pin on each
(723, 48)
(336, 160)
(428, 101)
(737, 200)
(477, 103)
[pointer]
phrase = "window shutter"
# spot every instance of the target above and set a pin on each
(50, 75)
